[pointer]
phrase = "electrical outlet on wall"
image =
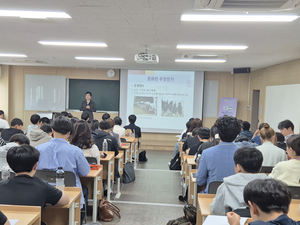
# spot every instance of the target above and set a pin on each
(248, 107)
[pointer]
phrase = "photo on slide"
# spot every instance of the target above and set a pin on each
(172, 107)
(146, 106)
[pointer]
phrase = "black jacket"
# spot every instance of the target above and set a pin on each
(190, 142)
(89, 111)
(281, 220)
(99, 135)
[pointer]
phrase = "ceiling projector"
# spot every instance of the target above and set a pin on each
(146, 58)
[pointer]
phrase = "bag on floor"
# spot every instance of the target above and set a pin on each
(107, 210)
(190, 213)
(175, 163)
(128, 173)
(179, 221)
(142, 156)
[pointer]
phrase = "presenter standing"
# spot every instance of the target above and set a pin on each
(88, 105)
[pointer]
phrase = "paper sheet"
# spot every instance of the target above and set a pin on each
(13, 222)
(220, 220)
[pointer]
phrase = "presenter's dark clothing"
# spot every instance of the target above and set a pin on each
(3, 218)
(90, 111)
(135, 129)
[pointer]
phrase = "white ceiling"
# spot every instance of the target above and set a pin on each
(126, 26)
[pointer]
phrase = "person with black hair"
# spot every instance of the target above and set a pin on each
(117, 128)
(24, 188)
(256, 136)
(103, 133)
(105, 116)
(191, 141)
(280, 141)
(245, 130)
(134, 128)
(74, 120)
(229, 196)
(81, 137)
(15, 128)
(3, 123)
(41, 135)
(288, 171)
(88, 105)
(286, 127)
(218, 163)
(59, 153)
(117, 136)
(269, 202)
(203, 136)
(95, 125)
(34, 119)
(85, 116)
(20, 139)
(43, 120)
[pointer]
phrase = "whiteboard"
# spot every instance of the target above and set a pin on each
(282, 102)
(45, 92)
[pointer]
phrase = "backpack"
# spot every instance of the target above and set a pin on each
(175, 163)
(128, 173)
(142, 156)
(179, 221)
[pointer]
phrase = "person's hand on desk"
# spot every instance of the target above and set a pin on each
(88, 107)
(233, 218)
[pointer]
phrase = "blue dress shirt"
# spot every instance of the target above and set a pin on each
(216, 163)
(58, 152)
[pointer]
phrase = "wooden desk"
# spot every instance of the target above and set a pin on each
(93, 182)
(60, 215)
(126, 148)
(192, 195)
(108, 169)
(131, 141)
(26, 215)
(136, 150)
(189, 163)
(119, 162)
(204, 201)
(183, 165)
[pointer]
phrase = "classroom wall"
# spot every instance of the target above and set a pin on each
(13, 83)
(281, 74)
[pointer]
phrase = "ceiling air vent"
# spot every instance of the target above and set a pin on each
(247, 5)
(201, 56)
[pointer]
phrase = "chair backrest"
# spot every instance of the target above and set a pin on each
(266, 169)
(12, 174)
(243, 212)
(50, 177)
(91, 160)
(295, 192)
(213, 187)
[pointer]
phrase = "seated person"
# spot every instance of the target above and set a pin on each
(256, 138)
(15, 140)
(3, 123)
(85, 116)
(248, 161)
(203, 135)
(280, 141)
(40, 136)
(117, 136)
(245, 130)
(34, 119)
(135, 129)
(43, 120)
(105, 116)
(117, 128)
(74, 119)
(191, 141)
(16, 128)
(24, 188)
(269, 202)
(81, 137)
(272, 154)
(95, 125)
(217, 162)
(196, 123)
(103, 133)
(3, 219)
(59, 153)
(288, 171)
(286, 127)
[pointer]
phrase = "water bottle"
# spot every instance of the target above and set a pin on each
(5, 173)
(60, 179)
(105, 145)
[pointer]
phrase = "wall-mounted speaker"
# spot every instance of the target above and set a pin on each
(241, 70)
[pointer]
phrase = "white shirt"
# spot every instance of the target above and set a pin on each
(119, 130)
(92, 152)
(272, 154)
(3, 124)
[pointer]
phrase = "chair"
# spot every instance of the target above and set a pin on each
(243, 212)
(50, 177)
(266, 169)
(12, 174)
(295, 192)
(213, 187)
(91, 160)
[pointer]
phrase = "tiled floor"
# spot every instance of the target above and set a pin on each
(152, 199)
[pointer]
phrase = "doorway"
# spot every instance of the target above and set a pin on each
(255, 110)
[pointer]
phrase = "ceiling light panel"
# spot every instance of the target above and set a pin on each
(213, 47)
(80, 44)
(201, 60)
(99, 58)
(12, 55)
(33, 14)
(239, 18)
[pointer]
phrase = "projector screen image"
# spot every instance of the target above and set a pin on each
(163, 101)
